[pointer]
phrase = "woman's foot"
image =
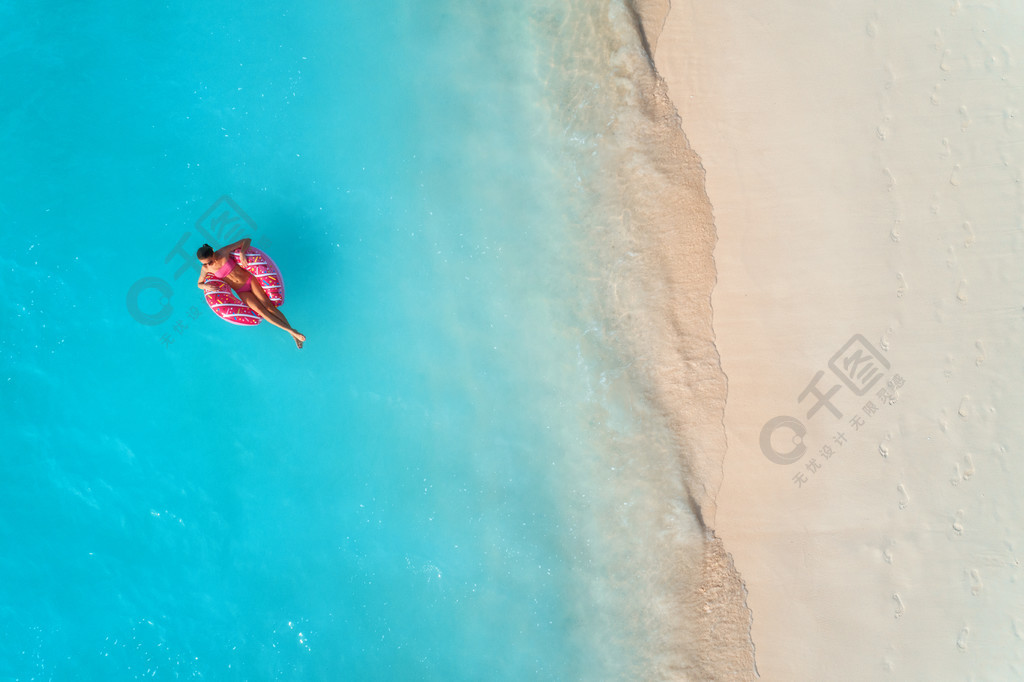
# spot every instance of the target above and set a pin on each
(299, 339)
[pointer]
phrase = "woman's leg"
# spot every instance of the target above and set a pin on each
(251, 300)
(267, 303)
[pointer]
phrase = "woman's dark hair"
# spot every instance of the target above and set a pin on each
(205, 251)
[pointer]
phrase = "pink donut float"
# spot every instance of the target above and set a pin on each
(222, 299)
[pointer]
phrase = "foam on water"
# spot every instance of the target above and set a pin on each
(498, 454)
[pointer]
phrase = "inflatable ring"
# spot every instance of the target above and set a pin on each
(225, 303)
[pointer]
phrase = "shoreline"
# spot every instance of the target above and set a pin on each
(662, 296)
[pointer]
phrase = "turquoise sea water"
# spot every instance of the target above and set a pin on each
(438, 486)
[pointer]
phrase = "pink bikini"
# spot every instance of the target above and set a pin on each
(229, 265)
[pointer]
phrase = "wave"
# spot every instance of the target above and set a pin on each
(647, 219)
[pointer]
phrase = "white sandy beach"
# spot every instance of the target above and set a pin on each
(865, 162)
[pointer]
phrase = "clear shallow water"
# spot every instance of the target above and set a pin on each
(455, 479)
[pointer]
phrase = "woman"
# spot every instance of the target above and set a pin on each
(222, 265)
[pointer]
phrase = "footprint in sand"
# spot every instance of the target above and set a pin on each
(961, 640)
(954, 176)
(944, 62)
(890, 180)
(901, 286)
(958, 522)
(883, 447)
(963, 473)
(998, 60)
(946, 151)
(899, 610)
(961, 291)
(882, 132)
(904, 498)
(965, 119)
(968, 467)
(980, 360)
(974, 580)
(883, 342)
(934, 98)
(965, 407)
(969, 239)
(871, 28)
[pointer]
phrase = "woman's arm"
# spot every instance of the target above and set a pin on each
(202, 277)
(242, 244)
